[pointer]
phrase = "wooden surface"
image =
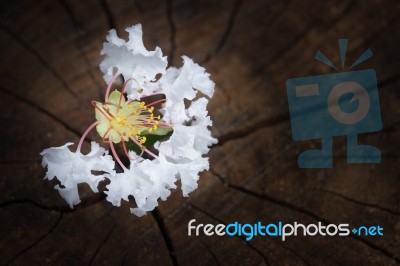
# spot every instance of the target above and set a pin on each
(49, 56)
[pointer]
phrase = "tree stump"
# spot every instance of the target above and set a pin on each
(50, 51)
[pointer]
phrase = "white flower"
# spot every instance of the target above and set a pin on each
(183, 83)
(146, 181)
(73, 168)
(132, 60)
(182, 110)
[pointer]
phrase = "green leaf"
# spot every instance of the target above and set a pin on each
(150, 140)
(159, 131)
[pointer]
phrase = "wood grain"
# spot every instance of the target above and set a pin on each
(50, 51)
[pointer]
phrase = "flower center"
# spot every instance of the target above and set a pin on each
(121, 120)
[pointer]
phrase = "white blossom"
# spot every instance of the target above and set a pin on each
(73, 168)
(133, 60)
(146, 180)
(187, 91)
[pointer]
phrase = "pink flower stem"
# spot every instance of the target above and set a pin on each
(164, 125)
(78, 149)
(144, 148)
(123, 91)
(116, 156)
(154, 94)
(126, 82)
(156, 102)
(106, 115)
(110, 85)
(125, 149)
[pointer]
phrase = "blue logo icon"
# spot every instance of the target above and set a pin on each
(339, 104)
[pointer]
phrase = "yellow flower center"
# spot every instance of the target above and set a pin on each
(121, 120)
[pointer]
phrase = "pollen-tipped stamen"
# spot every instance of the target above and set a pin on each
(143, 148)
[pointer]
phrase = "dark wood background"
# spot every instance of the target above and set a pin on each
(49, 56)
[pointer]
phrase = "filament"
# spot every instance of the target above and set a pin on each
(78, 149)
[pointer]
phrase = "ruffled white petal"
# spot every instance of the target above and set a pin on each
(181, 84)
(146, 181)
(73, 168)
(133, 60)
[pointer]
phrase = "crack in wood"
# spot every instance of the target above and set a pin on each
(280, 243)
(37, 241)
(211, 252)
(376, 35)
(39, 58)
(109, 15)
(99, 217)
(165, 234)
(43, 111)
(299, 36)
(101, 244)
(341, 16)
(392, 128)
(224, 92)
(287, 48)
(240, 237)
(241, 133)
(172, 27)
(26, 161)
(231, 20)
(138, 6)
(308, 213)
(61, 209)
(226, 33)
(123, 259)
(388, 81)
(80, 32)
(236, 132)
(364, 204)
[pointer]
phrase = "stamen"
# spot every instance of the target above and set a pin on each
(156, 102)
(124, 146)
(154, 94)
(146, 96)
(105, 134)
(116, 156)
(123, 90)
(78, 149)
(108, 112)
(110, 85)
(144, 148)
(164, 125)
(101, 110)
(129, 119)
